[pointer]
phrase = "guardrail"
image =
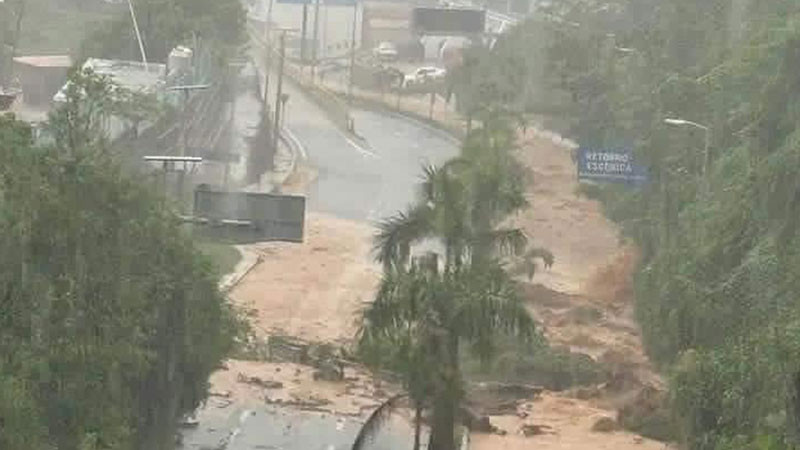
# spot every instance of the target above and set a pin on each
(295, 148)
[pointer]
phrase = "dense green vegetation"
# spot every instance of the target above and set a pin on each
(535, 363)
(110, 319)
(717, 282)
(58, 26)
(215, 27)
(95, 28)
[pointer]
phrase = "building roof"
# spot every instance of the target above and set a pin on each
(400, 24)
(388, 10)
(45, 60)
(133, 75)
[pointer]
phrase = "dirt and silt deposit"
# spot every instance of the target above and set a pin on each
(314, 291)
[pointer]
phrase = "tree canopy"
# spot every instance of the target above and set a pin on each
(110, 320)
(216, 25)
(716, 286)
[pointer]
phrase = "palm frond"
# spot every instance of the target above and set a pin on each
(541, 253)
(427, 187)
(376, 420)
(508, 241)
(528, 265)
(489, 305)
(398, 233)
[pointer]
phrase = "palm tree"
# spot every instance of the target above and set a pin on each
(428, 307)
(420, 320)
(464, 204)
(399, 346)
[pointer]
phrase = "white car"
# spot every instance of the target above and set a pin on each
(385, 51)
(424, 75)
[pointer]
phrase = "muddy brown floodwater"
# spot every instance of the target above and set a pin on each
(593, 269)
(314, 291)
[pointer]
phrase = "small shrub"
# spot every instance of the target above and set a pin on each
(553, 368)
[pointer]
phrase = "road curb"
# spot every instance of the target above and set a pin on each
(297, 150)
(433, 125)
(233, 279)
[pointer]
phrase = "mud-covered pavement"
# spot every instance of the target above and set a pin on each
(315, 290)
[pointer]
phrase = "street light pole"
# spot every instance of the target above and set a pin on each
(707, 140)
(138, 34)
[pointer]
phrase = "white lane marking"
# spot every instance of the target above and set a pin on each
(420, 124)
(290, 134)
(358, 148)
(244, 415)
(227, 441)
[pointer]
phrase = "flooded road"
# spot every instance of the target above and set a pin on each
(361, 181)
(356, 181)
(285, 429)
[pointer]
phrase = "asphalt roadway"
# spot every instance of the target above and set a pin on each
(364, 180)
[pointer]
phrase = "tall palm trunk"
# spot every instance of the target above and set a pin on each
(443, 423)
(417, 425)
(446, 400)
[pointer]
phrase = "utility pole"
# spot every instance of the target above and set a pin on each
(314, 42)
(352, 53)
(267, 56)
(4, 62)
(350, 124)
(279, 93)
(303, 33)
(268, 60)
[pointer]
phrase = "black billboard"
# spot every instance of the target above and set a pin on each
(449, 21)
(250, 216)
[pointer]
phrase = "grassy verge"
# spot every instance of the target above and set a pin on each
(225, 256)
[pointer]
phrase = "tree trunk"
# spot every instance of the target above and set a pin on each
(446, 400)
(443, 423)
(417, 426)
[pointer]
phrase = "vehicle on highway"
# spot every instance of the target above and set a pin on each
(385, 51)
(424, 75)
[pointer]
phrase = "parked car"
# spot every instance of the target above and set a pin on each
(385, 51)
(424, 75)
